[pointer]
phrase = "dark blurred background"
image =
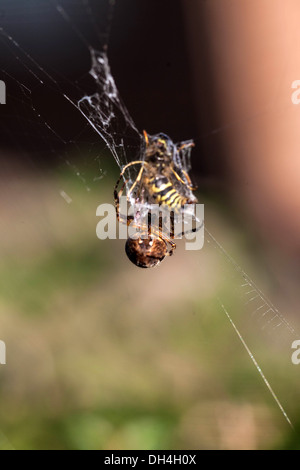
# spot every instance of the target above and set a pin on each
(147, 52)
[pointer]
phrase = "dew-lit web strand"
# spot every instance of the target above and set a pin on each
(270, 308)
(75, 103)
(106, 34)
(254, 289)
(22, 86)
(52, 80)
(17, 45)
(108, 80)
(249, 283)
(268, 108)
(113, 146)
(257, 366)
(67, 18)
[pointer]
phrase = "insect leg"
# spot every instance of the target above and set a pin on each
(137, 180)
(189, 185)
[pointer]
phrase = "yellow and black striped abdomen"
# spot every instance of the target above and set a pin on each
(164, 193)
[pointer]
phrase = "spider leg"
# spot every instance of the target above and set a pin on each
(117, 194)
(193, 230)
(193, 188)
(125, 220)
(163, 236)
(172, 225)
(172, 236)
(189, 185)
(137, 180)
(171, 243)
(156, 232)
(190, 144)
(136, 162)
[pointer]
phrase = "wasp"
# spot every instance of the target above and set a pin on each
(162, 179)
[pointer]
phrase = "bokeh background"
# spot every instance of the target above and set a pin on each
(101, 355)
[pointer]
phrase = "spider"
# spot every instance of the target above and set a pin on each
(163, 180)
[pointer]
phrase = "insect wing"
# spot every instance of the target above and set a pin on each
(182, 157)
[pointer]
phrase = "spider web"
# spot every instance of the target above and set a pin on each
(96, 98)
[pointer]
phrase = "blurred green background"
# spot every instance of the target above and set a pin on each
(103, 355)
